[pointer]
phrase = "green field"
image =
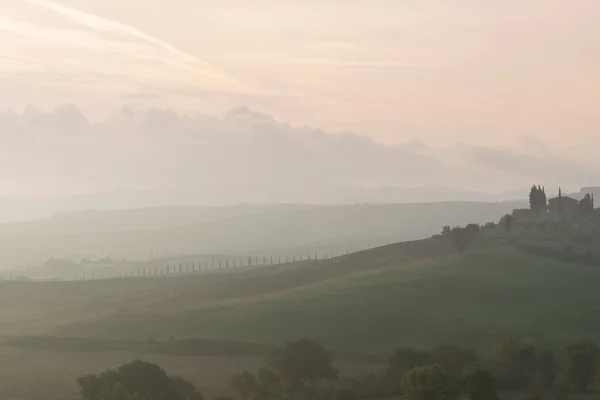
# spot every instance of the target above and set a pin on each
(466, 300)
(416, 294)
(463, 300)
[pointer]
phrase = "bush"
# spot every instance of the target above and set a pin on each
(141, 380)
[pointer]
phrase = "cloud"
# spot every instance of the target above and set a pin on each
(101, 24)
(180, 58)
(521, 166)
(159, 148)
(155, 149)
(83, 43)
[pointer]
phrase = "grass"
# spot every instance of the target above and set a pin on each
(37, 307)
(411, 294)
(466, 301)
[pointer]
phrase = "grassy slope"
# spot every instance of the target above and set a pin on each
(465, 301)
(460, 300)
(29, 306)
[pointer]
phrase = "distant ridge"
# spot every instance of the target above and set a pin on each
(283, 229)
(20, 208)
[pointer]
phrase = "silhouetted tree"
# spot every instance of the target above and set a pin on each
(537, 199)
(301, 364)
(533, 198)
(142, 379)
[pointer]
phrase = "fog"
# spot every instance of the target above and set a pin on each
(244, 156)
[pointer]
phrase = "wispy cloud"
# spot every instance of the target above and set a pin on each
(179, 58)
(102, 24)
(113, 46)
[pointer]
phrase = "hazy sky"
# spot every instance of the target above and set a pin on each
(506, 75)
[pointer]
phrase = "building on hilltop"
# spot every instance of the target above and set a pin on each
(563, 204)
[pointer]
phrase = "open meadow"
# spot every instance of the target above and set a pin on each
(362, 306)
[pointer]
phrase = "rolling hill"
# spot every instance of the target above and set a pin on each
(409, 294)
(458, 300)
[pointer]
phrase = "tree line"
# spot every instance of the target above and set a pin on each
(304, 370)
(461, 237)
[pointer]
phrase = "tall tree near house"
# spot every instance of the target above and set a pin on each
(532, 198)
(537, 199)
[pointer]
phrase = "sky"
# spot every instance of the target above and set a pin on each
(483, 95)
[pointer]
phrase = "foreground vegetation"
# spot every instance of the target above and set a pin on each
(303, 369)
